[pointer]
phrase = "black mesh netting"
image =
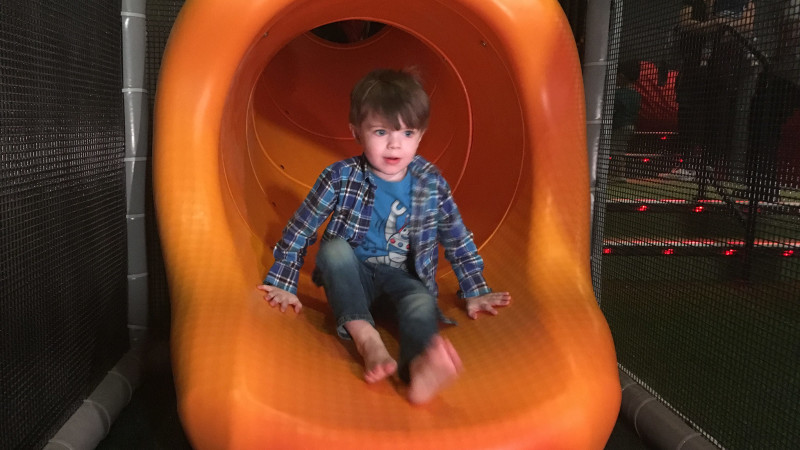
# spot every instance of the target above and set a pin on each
(62, 211)
(699, 215)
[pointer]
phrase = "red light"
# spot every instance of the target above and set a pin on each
(664, 138)
(730, 252)
(680, 160)
(646, 160)
(788, 253)
(699, 209)
(607, 251)
(669, 251)
(642, 208)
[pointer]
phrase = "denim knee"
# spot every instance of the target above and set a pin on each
(420, 306)
(334, 253)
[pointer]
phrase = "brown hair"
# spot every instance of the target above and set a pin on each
(395, 95)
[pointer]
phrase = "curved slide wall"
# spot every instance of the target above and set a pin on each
(251, 107)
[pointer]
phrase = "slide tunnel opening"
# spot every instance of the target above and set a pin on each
(348, 31)
(287, 119)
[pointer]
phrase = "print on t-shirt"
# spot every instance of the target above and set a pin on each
(397, 243)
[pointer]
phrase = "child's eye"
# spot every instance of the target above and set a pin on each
(409, 133)
(380, 132)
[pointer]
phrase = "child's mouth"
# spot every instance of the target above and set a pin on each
(391, 160)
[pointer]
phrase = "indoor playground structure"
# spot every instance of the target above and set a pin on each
(630, 177)
(250, 108)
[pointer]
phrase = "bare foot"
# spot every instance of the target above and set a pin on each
(378, 364)
(433, 370)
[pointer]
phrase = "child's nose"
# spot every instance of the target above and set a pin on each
(394, 140)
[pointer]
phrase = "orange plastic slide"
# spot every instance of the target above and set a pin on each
(251, 106)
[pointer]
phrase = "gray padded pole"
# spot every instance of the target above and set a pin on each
(87, 427)
(655, 423)
(92, 421)
(594, 79)
(136, 158)
(595, 68)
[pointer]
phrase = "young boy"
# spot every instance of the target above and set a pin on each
(390, 208)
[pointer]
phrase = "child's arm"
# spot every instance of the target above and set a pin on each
(460, 250)
(300, 233)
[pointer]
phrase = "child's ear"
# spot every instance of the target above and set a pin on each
(354, 132)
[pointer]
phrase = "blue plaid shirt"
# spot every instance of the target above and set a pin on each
(346, 189)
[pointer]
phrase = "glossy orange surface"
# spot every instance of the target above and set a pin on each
(250, 107)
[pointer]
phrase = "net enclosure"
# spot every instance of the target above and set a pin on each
(697, 236)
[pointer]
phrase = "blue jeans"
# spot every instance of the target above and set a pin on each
(353, 287)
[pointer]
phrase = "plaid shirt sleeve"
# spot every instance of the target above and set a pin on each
(459, 247)
(301, 232)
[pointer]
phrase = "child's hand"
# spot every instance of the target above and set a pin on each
(277, 296)
(487, 303)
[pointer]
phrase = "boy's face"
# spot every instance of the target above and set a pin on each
(388, 151)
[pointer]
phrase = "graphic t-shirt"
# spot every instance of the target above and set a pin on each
(387, 241)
